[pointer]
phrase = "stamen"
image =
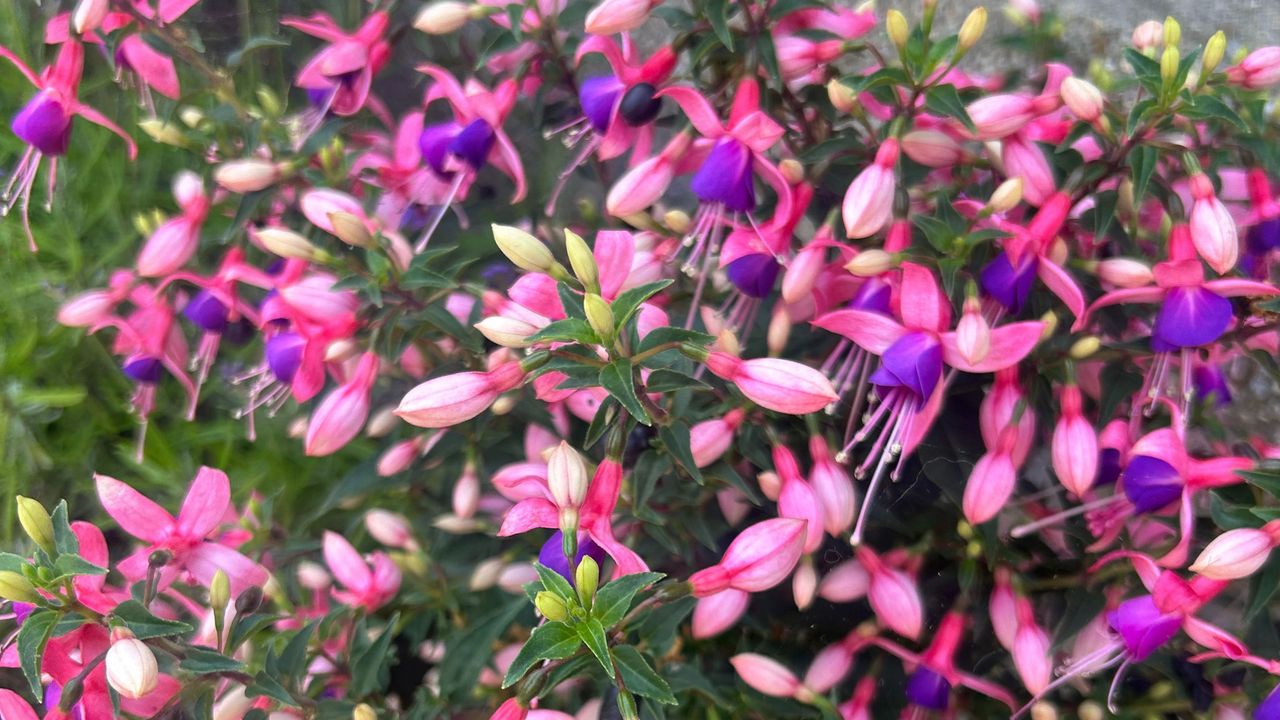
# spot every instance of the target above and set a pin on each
(563, 178)
(458, 179)
(1027, 529)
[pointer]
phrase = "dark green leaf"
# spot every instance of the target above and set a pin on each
(32, 638)
(1208, 106)
(628, 302)
(1263, 586)
(201, 660)
(718, 15)
(675, 438)
(571, 301)
(1266, 477)
(614, 599)
(549, 641)
(293, 659)
(945, 100)
(1228, 516)
(266, 686)
(63, 539)
(554, 582)
(640, 677)
(235, 59)
(70, 564)
(472, 647)
(12, 563)
(666, 335)
(600, 422)
(592, 634)
(145, 625)
(567, 330)
(668, 380)
(1142, 162)
(370, 669)
(618, 379)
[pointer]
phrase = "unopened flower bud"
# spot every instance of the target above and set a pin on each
(382, 422)
(442, 18)
(1148, 36)
(249, 601)
(1082, 98)
(1085, 347)
(586, 580)
(288, 244)
(895, 25)
(131, 668)
(506, 331)
(842, 97)
(551, 606)
(1043, 711)
(1169, 64)
(249, 175)
(17, 588)
(599, 316)
(677, 221)
(1007, 196)
(1090, 710)
(163, 132)
(523, 250)
(1124, 272)
(870, 263)
(36, 523)
(219, 591)
(364, 711)
(792, 171)
(504, 404)
(972, 29)
(1172, 32)
(567, 476)
(88, 15)
(1214, 50)
(582, 261)
(485, 575)
(159, 558)
(1050, 321)
(191, 116)
(389, 528)
(351, 230)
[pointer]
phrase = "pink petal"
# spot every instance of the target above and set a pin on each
(1120, 297)
(1009, 344)
(447, 85)
(507, 159)
(872, 331)
(17, 62)
(153, 702)
(530, 513)
(137, 514)
(243, 573)
(921, 304)
(625, 560)
(718, 612)
(13, 707)
(154, 68)
(318, 25)
(614, 251)
(696, 108)
(1238, 287)
(1210, 636)
(345, 563)
(170, 10)
(98, 118)
(206, 503)
(1060, 282)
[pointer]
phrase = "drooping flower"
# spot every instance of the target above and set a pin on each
(366, 584)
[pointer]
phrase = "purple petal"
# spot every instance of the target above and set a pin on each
(44, 124)
(754, 275)
(1142, 626)
(1151, 483)
(639, 106)
(598, 97)
(1211, 382)
(146, 370)
(206, 312)
(1264, 237)
(873, 295)
(1191, 317)
(725, 177)
(434, 144)
(928, 689)
(473, 143)
(1008, 286)
(1269, 708)
(284, 355)
(1108, 467)
(552, 554)
(913, 362)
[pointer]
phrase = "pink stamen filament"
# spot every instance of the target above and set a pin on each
(458, 179)
(1044, 522)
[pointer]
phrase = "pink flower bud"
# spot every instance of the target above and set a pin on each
(997, 411)
(844, 583)
(1023, 159)
(997, 116)
(973, 333)
(991, 482)
(452, 399)
(832, 488)
(169, 247)
(646, 182)
(1237, 553)
(804, 584)
(88, 308)
(389, 528)
(734, 505)
(799, 57)
(1003, 608)
(1124, 272)
(718, 612)
(340, 416)
(711, 439)
(466, 492)
(868, 203)
(802, 274)
(399, 457)
(1259, 69)
(770, 484)
(1075, 445)
(131, 668)
(894, 597)
(1149, 35)
(797, 499)
(246, 176)
(313, 576)
(759, 558)
(319, 204)
(829, 667)
(615, 16)
(932, 148)
(1082, 98)
(88, 15)
(567, 477)
(1031, 654)
(511, 709)
(1213, 230)
(779, 385)
(766, 675)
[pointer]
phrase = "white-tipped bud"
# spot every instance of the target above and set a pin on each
(382, 422)
(313, 576)
(1124, 272)
(287, 244)
(485, 575)
(389, 528)
(842, 97)
(131, 668)
(1082, 97)
(522, 249)
(870, 263)
(88, 15)
(248, 175)
(567, 476)
(1007, 196)
(506, 331)
(351, 230)
(442, 18)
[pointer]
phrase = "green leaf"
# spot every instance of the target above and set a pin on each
(201, 660)
(1142, 162)
(370, 668)
(614, 599)
(1263, 586)
(235, 59)
(668, 380)
(554, 582)
(640, 677)
(1266, 478)
(471, 648)
(293, 659)
(266, 686)
(619, 381)
(70, 565)
(145, 625)
(666, 335)
(12, 563)
(32, 638)
(549, 641)
(624, 307)
(592, 634)
(675, 438)
(571, 301)
(718, 15)
(600, 422)
(1228, 516)
(1208, 106)
(945, 100)
(1143, 66)
(63, 539)
(567, 330)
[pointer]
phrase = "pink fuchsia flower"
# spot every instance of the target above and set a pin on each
(893, 594)
(913, 354)
(780, 385)
(510, 709)
(1003, 608)
(796, 498)
(770, 677)
(846, 582)
(1009, 278)
(1259, 69)
(710, 439)
(1074, 448)
(339, 417)
(92, 590)
(187, 539)
(647, 181)
(868, 203)
(858, 707)
(92, 307)
(338, 78)
(368, 585)
(759, 558)
(935, 674)
(13, 707)
(718, 612)
(1022, 158)
(175, 241)
(44, 124)
(1213, 230)
(1031, 649)
(451, 399)
(1237, 553)
(832, 488)
(803, 60)
(992, 479)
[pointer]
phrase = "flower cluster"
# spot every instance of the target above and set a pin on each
(831, 313)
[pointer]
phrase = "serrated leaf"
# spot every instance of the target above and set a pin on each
(567, 330)
(614, 599)
(549, 641)
(675, 438)
(593, 636)
(145, 625)
(554, 582)
(945, 100)
(640, 677)
(201, 660)
(33, 636)
(619, 381)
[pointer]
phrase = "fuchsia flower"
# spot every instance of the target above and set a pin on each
(1075, 444)
(832, 488)
(935, 673)
(338, 78)
(1213, 230)
(1031, 649)
(1237, 553)
(893, 594)
(992, 479)
(44, 124)
(912, 356)
(868, 203)
(615, 16)
(1259, 69)
(451, 399)
(176, 240)
(646, 182)
(760, 557)
(796, 498)
(339, 417)
(186, 538)
(1027, 255)
(770, 677)
(710, 439)
(368, 585)
(779, 385)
